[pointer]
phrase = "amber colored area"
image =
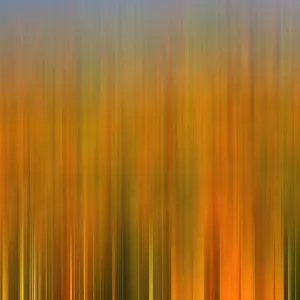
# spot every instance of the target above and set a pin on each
(165, 167)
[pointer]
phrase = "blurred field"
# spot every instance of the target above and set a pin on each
(151, 158)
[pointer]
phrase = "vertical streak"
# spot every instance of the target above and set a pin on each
(34, 276)
(289, 266)
(84, 261)
(71, 271)
(46, 267)
(295, 261)
(21, 256)
(4, 268)
(150, 260)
